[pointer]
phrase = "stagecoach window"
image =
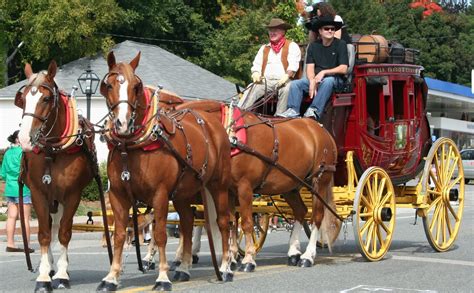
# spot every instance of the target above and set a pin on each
(373, 108)
(398, 92)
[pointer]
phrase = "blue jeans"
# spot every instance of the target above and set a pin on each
(299, 88)
(16, 199)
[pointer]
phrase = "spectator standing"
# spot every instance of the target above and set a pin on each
(10, 172)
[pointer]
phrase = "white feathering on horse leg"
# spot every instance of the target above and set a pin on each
(295, 246)
(62, 265)
(197, 233)
(310, 253)
(56, 220)
(44, 269)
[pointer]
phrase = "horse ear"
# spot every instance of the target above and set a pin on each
(28, 70)
(52, 68)
(111, 60)
(135, 61)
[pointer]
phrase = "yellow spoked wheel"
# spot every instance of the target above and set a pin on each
(260, 228)
(443, 183)
(374, 218)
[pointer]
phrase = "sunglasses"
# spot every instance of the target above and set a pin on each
(329, 28)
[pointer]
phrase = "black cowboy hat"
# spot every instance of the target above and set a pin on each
(278, 23)
(325, 21)
(12, 138)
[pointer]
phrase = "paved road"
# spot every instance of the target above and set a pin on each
(410, 266)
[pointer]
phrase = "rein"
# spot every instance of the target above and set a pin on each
(154, 130)
(323, 168)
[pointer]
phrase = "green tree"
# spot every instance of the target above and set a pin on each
(362, 16)
(64, 29)
(172, 25)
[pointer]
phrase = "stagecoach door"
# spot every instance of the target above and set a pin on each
(391, 113)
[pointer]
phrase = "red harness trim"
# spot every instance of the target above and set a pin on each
(155, 144)
(241, 134)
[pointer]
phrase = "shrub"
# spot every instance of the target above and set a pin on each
(91, 192)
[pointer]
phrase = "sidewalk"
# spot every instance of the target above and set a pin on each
(34, 225)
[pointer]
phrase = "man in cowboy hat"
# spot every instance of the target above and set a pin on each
(275, 64)
(326, 63)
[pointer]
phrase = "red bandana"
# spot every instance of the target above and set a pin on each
(278, 45)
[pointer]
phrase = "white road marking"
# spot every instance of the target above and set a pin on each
(370, 288)
(434, 260)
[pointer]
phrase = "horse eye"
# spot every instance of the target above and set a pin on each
(109, 87)
(46, 99)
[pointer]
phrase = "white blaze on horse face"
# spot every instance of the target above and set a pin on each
(31, 100)
(123, 107)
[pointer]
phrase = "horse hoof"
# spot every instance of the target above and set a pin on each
(248, 267)
(233, 266)
(148, 265)
(105, 286)
(181, 276)
(61, 284)
(195, 259)
(304, 263)
(174, 265)
(43, 287)
(293, 260)
(227, 276)
(162, 286)
(52, 273)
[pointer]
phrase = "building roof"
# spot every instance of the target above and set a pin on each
(156, 67)
(449, 87)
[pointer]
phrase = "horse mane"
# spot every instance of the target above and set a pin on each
(37, 79)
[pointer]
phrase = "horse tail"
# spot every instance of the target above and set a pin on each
(55, 222)
(331, 225)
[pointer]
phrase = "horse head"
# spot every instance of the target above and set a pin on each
(38, 98)
(123, 91)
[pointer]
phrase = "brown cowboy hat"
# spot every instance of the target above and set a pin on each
(327, 21)
(278, 23)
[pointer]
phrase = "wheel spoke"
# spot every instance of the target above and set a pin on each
(365, 226)
(438, 226)
(453, 212)
(374, 239)
(381, 189)
(366, 203)
(435, 192)
(379, 236)
(375, 189)
(455, 181)
(433, 203)
(435, 178)
(369, 237)
(447, 220)
(443, 224)
(437, 168)
(452, 168)
(435, 216)
(386, 198)
(382, 224)
(370, 191)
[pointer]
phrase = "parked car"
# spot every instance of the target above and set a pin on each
(467, 156)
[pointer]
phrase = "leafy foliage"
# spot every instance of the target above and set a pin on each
(223, 36)
(60, 29)
(91, 191)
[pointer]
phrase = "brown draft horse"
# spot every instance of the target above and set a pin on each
(194, 157)
(56, 170)
(304, 148)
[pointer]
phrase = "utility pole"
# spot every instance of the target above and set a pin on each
(10, 58)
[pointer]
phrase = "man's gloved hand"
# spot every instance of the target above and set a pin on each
(283, 80)
(256, 77)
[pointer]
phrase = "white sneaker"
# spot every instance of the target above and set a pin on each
(289, 113)
(311, 113)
